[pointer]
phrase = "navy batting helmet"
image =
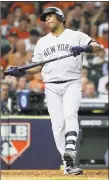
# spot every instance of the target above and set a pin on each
(53, 10)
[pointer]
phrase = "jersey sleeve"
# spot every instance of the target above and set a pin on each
(84, 39)
(37, 54)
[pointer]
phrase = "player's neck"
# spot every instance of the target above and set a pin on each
(58, 31)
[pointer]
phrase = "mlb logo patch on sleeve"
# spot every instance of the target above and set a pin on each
(15, 139)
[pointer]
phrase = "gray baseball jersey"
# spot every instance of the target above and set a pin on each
(50, 46)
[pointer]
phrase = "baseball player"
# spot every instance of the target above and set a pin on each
(62, 80)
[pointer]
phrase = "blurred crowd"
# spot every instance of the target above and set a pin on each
(21, 28)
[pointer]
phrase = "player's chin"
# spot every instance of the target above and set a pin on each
(51, 27)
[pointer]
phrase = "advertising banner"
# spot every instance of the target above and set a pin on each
(27, 141)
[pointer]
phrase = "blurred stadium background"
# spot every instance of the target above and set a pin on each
(23, 100)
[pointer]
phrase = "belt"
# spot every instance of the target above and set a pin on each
(60, 82)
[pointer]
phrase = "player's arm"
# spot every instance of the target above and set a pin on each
(34, 70)
(86, 44)
(93, 47)
(15, 71)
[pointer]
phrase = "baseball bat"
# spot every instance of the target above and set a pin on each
(32, 65)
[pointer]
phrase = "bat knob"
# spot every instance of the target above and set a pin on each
(7, 72)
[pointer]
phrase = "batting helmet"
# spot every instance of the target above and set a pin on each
(53, 10)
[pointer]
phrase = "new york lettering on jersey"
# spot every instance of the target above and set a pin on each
(61, 47)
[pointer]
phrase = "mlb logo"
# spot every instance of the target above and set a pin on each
(15, 139)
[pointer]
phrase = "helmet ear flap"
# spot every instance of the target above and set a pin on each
(60, 18)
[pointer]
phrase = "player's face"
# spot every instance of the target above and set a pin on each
(52, 22)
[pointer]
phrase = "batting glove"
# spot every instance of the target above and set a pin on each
(15, 71)
(77, 50)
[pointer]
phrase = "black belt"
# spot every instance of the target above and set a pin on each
(60, 82)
